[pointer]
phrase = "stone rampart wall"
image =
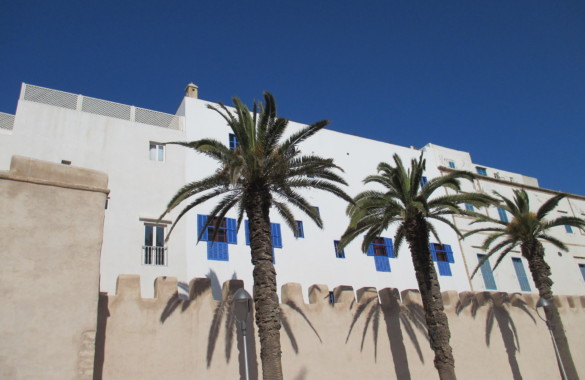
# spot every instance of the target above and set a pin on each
(372, 336)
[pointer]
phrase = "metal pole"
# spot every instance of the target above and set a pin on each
(243, 325)
(557, 351)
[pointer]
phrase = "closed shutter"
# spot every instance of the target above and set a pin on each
(276, 237)
(433, 251)
(382, 263)
(487, 274)
(449, 253)
(201, 221)
(444, 268)
(522, 279)
(247, 228)
(389, 247)
(232, 235)
(217, 250)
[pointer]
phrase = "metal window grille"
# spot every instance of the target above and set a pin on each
(105, 108)
(6, 121)
(154, 255)
(50, 97)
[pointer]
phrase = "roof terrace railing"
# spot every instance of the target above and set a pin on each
(6, 121)
(98, 107)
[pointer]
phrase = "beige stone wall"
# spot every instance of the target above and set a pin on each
(51, 231)
(378, 335)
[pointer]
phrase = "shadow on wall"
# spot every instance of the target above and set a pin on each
(498, 304)
(395, 313)
(222, 316)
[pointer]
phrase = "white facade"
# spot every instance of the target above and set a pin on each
(127, 144)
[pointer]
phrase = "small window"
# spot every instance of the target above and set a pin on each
(502, 214)
(423, 181)
(154, 251)
(469, 207)
(157, 152)
(443, 256)
(300, 231)
(582, 268)
(486, 273)
(481, 171)
(452, 164)
(382, 249)
(233, 141)
(275, 233)
(338, 254)
(521, 274)
(569, 229)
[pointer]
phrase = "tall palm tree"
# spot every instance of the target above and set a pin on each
(406, 203)
(265, 170)
(528, 229)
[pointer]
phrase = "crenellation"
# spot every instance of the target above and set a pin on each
(365, 294)
(200, 288)
(165, 288)
(411, 296)
(344, 294)
(319, 294)
(450, 299)
(292, 293)
(128, 286)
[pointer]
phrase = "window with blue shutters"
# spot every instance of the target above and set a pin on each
(521, 274)
(443, 256)
(423, 181)
(481, 171)
(502, 214)
(582, 267)
(469, 207)
(382, 249)
(338, 254)
(217, 235)
(486, 273)
(233, 142)
(568, 229)
(274, 230)
(300, 231)
(452, 164)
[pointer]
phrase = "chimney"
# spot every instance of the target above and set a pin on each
(191, 90)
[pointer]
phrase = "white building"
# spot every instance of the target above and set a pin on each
(129, 144)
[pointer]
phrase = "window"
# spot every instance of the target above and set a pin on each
(382, 249)
(568, 229)
(300, 232)
(233, 141)
(217, 242)
(469, 207)
(451, 164)
(316, 209)
(423, 181)
(582, 267)
(486, 273)
(503, 216)
(157, 152)
(443, 256)
(521, 274)
(274, 230)
(338, 254)
(480, 170)
(154, 251)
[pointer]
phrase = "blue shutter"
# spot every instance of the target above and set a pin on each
(487, 274)
(370, 251)
(503, 216)
(247, 228)
(201, 220)
(449, 253)
(568, 229)
(339, 255)
(389, 247)
(217, 250)
(423, 181)
(433, 251)
(469, 207)
(444, 268)
(522, 279)
(276, 237)
(382, 263)
(232, 236)
(301, 232)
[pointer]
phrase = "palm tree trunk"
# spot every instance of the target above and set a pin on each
(534, 252)
(417, 235)
(265, 297)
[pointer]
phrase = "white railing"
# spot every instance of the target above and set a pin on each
(100, 107)
(154, 255)
(6, 121)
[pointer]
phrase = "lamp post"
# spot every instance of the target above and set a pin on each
(544, 304)
(242, 308)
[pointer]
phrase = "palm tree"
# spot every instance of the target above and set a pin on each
(265, 170)
(405, 202)
(528, 229)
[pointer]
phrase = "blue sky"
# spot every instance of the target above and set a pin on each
(504, 81)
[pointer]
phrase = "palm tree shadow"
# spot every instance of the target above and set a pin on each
(287, 328)
(395, 315)
(222, 316)
(498, 312)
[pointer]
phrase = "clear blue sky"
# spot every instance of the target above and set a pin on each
(504, 81)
